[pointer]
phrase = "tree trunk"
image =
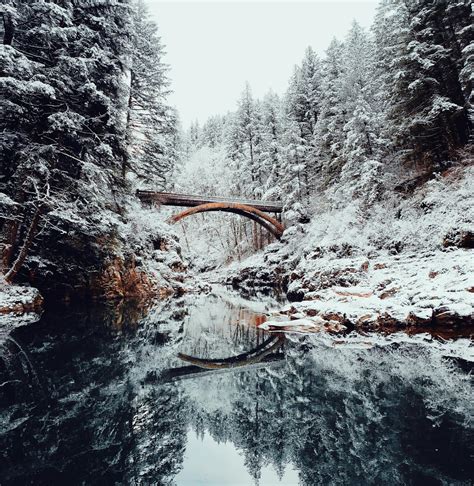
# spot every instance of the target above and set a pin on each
(8, 29)
(9, 243)
(128, 134)
(20, 259)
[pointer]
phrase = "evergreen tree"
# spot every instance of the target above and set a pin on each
(271, 151)
(63, 135)
(151, 124)
(213, 131)
(360, 153)
(304, 95)
(294, 167)
(460, 27)
(303, 108)
(243, 139)
(428, 106)
(329, 132)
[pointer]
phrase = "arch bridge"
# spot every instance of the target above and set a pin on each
(255, 210)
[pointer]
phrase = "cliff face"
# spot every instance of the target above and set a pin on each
(139, 257)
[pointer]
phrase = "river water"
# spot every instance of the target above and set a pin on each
(113, 395)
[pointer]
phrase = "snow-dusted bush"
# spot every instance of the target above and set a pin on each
(421, 221)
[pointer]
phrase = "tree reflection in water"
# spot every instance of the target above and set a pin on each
(391, 415)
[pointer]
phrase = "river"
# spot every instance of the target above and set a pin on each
(111, 394)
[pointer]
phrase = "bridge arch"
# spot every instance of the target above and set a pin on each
(271, 224)
(253, 356)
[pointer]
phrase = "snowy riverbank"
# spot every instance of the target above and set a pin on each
(18, 299)
(18, 306)
(384, 291)
(413, 289)
(407, 261)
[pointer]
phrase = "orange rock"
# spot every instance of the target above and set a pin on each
(460, 239)
(443, 316)
(121, 279)
(385, 320)
(259, 319)
(414, 320)
(333, 316)
(20, 307)
(365, 319)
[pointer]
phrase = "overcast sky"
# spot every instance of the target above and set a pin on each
(214, 47)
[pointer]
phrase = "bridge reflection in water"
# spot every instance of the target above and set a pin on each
(259, 357)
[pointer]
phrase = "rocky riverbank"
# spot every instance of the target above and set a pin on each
(407, 262)
(376, 292)
(19, 299)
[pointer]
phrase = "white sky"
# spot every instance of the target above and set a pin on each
(226, 467)
(214, 47)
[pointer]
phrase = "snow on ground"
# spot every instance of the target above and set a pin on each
(18, 306)
(15, 298)
(385, 291)
(406, 261)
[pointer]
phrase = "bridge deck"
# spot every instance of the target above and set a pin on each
(190, 200)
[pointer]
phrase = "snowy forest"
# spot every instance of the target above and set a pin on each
(84, 120)
(369, 149)
(382, 113)
(140, 346)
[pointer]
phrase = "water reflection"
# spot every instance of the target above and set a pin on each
(103, 405)
(228, 464)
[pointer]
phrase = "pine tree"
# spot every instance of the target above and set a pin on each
(459, 21)
(271, 152)
(329, 131)
(428, 106)
(294, 166)
(213, 131)
(360, 153)
(63, 136)
(246, 119)
(303, 108)
(304, 96)
(151, 124)
(244, 138)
